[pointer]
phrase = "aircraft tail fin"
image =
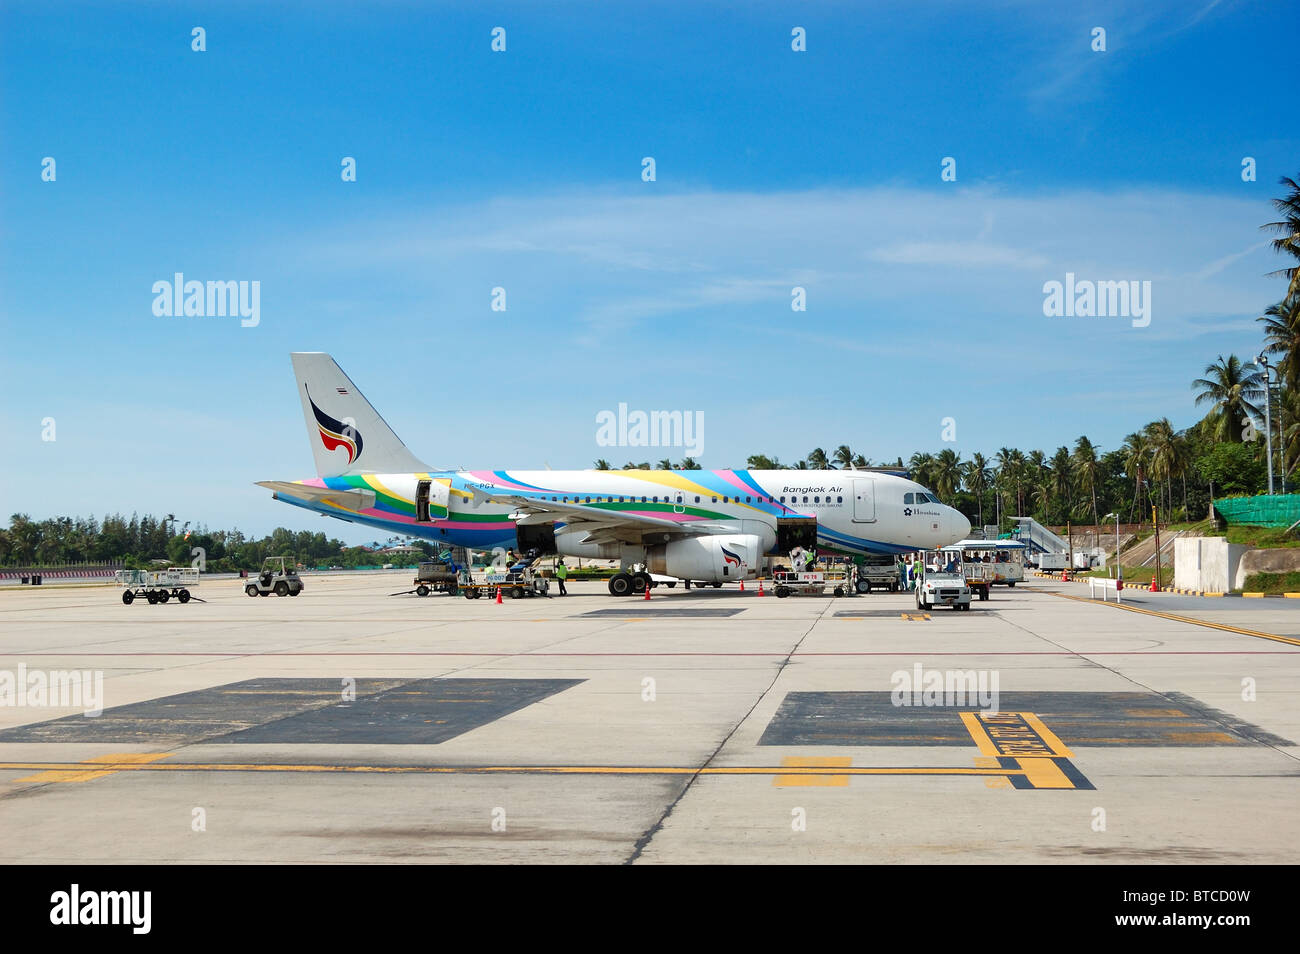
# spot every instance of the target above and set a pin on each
(347, 435)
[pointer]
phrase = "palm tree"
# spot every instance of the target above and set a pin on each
(1162, 445)
(976, 475)
(1182, 462)
(1288, 229)
(1233, 389)
(1062, 484)
(861, 463)
(1135, 456)
(762, 462)
(1282, 336)
(664, 464)
(688, 463)
(1290, 407)
(1041, 493)
(844, 456)
(1085, 473)
(1037, 468)
(818, 460)
(602, 464)
(1013, 474)
(1002, 460)
(947, 474)
(922, 467)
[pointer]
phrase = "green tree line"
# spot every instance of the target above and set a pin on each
(140, 540)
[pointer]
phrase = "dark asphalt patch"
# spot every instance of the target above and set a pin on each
(385, 711)
(1125, 719)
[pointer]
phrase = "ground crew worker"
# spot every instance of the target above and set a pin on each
(902, 573)
(561, 573)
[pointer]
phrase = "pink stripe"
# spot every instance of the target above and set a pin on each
(441, 524)
(734, 481)
(488, 477)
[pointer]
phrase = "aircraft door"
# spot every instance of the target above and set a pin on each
(431, 500)
(864, 501)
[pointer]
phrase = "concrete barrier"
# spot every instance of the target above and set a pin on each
(1208, 564)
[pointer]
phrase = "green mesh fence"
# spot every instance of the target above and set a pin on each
(1278, 510)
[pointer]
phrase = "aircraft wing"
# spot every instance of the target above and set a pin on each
(601, 526)
(351, 500)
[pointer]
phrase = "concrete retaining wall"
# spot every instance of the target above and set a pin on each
(1267, 561)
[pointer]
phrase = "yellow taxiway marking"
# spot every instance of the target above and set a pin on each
(1290, 641)
(103, 765)
(1024, 737)
(914, 617)
(1013, 733)
(786, 781)
(1044, 773)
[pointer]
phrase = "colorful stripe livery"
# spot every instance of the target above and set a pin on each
(685, 497)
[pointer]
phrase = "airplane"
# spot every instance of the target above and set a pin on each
(701, 526)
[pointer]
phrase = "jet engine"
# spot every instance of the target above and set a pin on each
(717, 558)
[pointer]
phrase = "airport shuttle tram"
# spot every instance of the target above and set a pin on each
(988, 563)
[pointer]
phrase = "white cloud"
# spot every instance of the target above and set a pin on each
(603, 257)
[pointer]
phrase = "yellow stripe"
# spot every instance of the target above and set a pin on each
(379, 485)
(504, 769)
(1256, 596)
(794, 780)
(1184, 619)
(1044, 773)
(110, 763)
(681, 483)
(977, 733)
(1047, 735)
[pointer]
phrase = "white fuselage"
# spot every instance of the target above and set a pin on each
(854, 511)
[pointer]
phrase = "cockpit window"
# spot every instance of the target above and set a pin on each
(909, 498)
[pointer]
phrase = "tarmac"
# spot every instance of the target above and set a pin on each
(348, 725)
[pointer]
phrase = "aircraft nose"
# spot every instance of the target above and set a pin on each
(958, 525)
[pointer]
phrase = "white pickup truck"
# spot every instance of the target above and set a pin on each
(941, 586)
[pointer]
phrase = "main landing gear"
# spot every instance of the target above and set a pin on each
(629, 584)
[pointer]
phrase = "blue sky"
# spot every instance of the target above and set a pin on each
(522, 169)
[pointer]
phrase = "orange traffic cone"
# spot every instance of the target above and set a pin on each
(647, 591)
(498, 594)
(1065, 576)
(1154, 588)
(742, 586)
(760, 587)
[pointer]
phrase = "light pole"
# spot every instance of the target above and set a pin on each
(1119, 567)
(1262, 361)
